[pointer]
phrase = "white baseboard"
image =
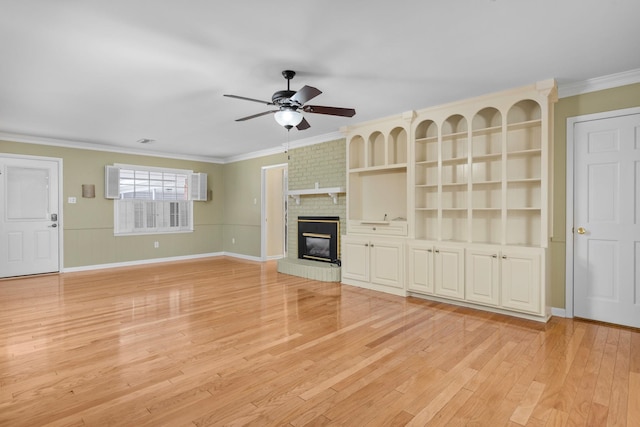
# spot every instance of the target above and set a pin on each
(558, 312)
(157, 260)
(241, 256)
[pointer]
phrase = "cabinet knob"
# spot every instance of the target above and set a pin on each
(504, 257)
(366, 245)
(437, 251)
(372, 245)
(429, 250)
(374, 229)
(494, 256)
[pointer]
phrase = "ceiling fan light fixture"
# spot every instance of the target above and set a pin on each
(288, 118)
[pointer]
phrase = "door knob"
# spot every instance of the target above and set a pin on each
(581, 230)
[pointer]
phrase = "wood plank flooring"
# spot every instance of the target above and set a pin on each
(228, 342)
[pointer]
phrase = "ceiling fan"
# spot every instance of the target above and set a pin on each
(289, 102)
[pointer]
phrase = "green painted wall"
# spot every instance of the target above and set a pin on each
(242, 204)
(594, 102)
(88, 224)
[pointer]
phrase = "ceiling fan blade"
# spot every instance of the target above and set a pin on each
(333, 111)
(304, 124)
(255, 115)
(305, 94)
(250, 99)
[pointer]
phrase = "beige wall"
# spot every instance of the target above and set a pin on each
(88, 224)
(594, 102)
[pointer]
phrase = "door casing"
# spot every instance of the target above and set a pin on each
(263, 209)
(571, 122)
(60, 199)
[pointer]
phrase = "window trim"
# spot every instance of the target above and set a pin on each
(120, 203)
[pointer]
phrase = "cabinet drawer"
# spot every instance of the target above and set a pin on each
(380, 228)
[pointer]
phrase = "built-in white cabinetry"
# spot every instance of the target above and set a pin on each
(377, 159)
(521, 273)
(436, 269)
(467, 185)
(420, 275)
(375, 263)
(482, 283)
(506, 277)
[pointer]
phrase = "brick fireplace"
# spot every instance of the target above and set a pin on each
(311, 166)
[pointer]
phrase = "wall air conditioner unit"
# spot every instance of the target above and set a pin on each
(111, 182)
(198, 187)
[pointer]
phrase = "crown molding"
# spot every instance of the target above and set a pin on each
(29, 139)
(254, 154)
(599, 83)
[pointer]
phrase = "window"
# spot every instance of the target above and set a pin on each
(152, 200)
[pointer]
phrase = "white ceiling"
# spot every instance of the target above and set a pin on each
(114, 71)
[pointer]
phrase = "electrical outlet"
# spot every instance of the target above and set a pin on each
(156, 245)
(233, 240)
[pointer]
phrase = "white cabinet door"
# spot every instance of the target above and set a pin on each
(449, 271)
(420, 272)
(521, 280)
(482, 276)
(386, 263)
(355, 258)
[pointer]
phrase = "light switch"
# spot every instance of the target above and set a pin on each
(71, 200)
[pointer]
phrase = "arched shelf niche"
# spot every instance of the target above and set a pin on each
(356, 152)
(376, 149)
(397, 146)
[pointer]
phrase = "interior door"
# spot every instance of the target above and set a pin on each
(28, 216)
(606, 235)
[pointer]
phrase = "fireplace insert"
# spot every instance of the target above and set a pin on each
(318, 238)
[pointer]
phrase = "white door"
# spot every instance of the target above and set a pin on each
(29, 232)
(606, 223)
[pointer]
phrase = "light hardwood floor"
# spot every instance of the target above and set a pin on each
(227, 342)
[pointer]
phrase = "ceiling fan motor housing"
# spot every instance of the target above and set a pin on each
(282, 98)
